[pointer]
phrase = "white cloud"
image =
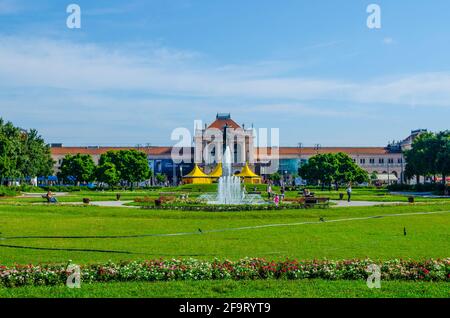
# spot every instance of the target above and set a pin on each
(43, 63)
(388, 41)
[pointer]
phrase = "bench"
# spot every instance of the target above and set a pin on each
(315, 201)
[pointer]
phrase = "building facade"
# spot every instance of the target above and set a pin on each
(210, 140)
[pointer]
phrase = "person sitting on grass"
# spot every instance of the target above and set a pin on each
(306, 192)
(50, 198)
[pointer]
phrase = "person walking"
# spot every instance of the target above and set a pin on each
(276, 200)
(269, 191)
(349, 192)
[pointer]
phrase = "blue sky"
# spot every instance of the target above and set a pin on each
(138, 69)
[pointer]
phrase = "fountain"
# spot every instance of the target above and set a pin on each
(230, 189)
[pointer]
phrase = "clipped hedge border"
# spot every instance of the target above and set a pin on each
(248, 268)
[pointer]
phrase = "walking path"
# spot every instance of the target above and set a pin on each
(112, 204)
(40, 194)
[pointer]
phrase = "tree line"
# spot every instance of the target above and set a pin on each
(23, 154)
(129, 166)
(429, 156)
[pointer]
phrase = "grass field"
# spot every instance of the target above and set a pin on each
(232, 235)
(238, 289)
(381, 238)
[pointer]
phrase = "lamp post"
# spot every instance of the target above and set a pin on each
(388, 172)
(317, 148)
(181, 173)
(300, 147)
(152, 168)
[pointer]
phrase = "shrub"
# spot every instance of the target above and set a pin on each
(8, 191)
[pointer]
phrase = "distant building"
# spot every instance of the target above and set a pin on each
(385, 161)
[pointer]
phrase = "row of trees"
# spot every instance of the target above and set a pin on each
(130, 166)
(429, 156)
(23, 153)
(328, 169)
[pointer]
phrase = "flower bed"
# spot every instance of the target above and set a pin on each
(190, 269)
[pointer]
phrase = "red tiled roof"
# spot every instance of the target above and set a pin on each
(220, 123)
(286, 151)
(100, 150)
(313, 151)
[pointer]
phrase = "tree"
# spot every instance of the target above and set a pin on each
(331, 168)
(349, 171)
(77, 168)
(429, 155)
(22, 153)
(321, 168)
(107, 173)
(36, 157)
(373, 177)
(275, 177)
(443, 154)
(161, 178)
(131, 165)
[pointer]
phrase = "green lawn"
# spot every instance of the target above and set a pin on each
(377, 238)
(238, 289)
(381, 238)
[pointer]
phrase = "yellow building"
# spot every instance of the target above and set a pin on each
(196, 176)
(249, 176)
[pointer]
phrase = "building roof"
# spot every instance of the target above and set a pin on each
(100, 150)
(217, 172)
(247, 172)
(196, 173)
(313, 151)
(222, 120)
(166, 151)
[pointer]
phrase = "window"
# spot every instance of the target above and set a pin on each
(391, 160)
(399, 160)
(381, 160)
(371, 161)
(362, 161)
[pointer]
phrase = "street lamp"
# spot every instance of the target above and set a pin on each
(300, 147)
(181, 172)
(317, 148)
